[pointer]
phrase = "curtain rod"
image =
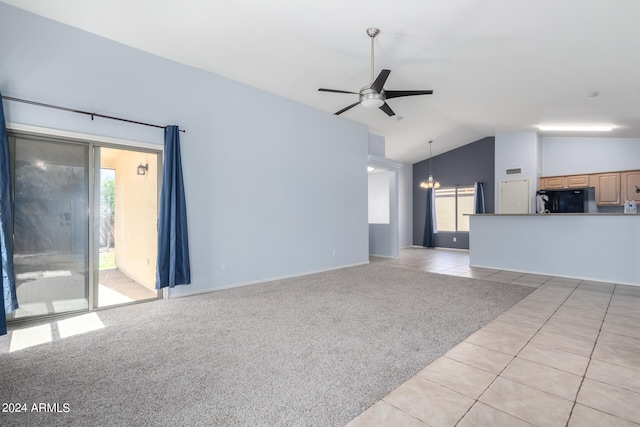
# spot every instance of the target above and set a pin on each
(57, 107)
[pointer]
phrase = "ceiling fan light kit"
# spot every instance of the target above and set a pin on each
(373, 95)
(370, 98)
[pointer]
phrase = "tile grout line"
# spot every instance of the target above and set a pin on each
(487, 278)
(513, 357)
(584, 376)
(519, 351)
(403, 411)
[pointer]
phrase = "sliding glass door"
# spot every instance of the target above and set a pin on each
(51, 196)
(125, 230)
(84, 225)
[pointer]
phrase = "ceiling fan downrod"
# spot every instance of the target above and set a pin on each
(372, 32)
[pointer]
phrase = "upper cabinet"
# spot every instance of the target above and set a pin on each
(630, 186)
(553, 182)
(562, 182)
(578, 181)
(607, 187)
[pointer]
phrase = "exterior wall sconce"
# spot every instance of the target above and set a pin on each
(142, 169)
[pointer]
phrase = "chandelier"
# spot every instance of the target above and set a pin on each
(430, 182)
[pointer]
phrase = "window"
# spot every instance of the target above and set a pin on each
(453, 204)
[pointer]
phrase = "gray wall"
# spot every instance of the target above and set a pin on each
(382, 192)
(381, 241)
(462, 166)
(405, 196)
(274, 188)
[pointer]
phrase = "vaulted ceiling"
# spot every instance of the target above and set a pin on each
(494, 65)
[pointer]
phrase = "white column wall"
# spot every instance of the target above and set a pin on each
(595, 247)
(517, 150)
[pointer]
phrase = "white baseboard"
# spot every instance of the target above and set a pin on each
(255, 282)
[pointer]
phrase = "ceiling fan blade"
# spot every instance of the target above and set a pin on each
(398, 93)
(335, 91)
(378, 84)
(347, 108)
(385, 107)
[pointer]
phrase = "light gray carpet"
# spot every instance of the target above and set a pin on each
(309, 351)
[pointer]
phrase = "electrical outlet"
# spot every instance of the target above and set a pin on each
(455, 239)
(223, 266)
(333, 252)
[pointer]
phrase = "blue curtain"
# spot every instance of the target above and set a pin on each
(173, 266)
(430, 230)
(478, 202)
(9, 299)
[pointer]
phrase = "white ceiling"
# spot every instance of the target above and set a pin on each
(494, 65)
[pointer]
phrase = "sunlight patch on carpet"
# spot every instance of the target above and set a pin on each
(79, 325)
(42, 334)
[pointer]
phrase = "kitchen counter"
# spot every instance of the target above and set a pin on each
(559, 214)
(598, 247)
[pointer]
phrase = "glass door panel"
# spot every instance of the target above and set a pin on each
(125, 236)
(51, 226)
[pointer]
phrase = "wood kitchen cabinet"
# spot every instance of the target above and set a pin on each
(553, 182)
(578, 181)
(607, 187)
(630, 186)
(562, 182)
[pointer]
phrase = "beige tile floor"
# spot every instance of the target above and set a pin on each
(566, 355)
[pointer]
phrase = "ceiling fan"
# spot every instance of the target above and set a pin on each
(374, 95)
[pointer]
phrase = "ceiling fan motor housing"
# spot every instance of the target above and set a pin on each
(370, 98)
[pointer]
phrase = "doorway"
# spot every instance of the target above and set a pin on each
(84, 225)
(125, 237)
(384, 214)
